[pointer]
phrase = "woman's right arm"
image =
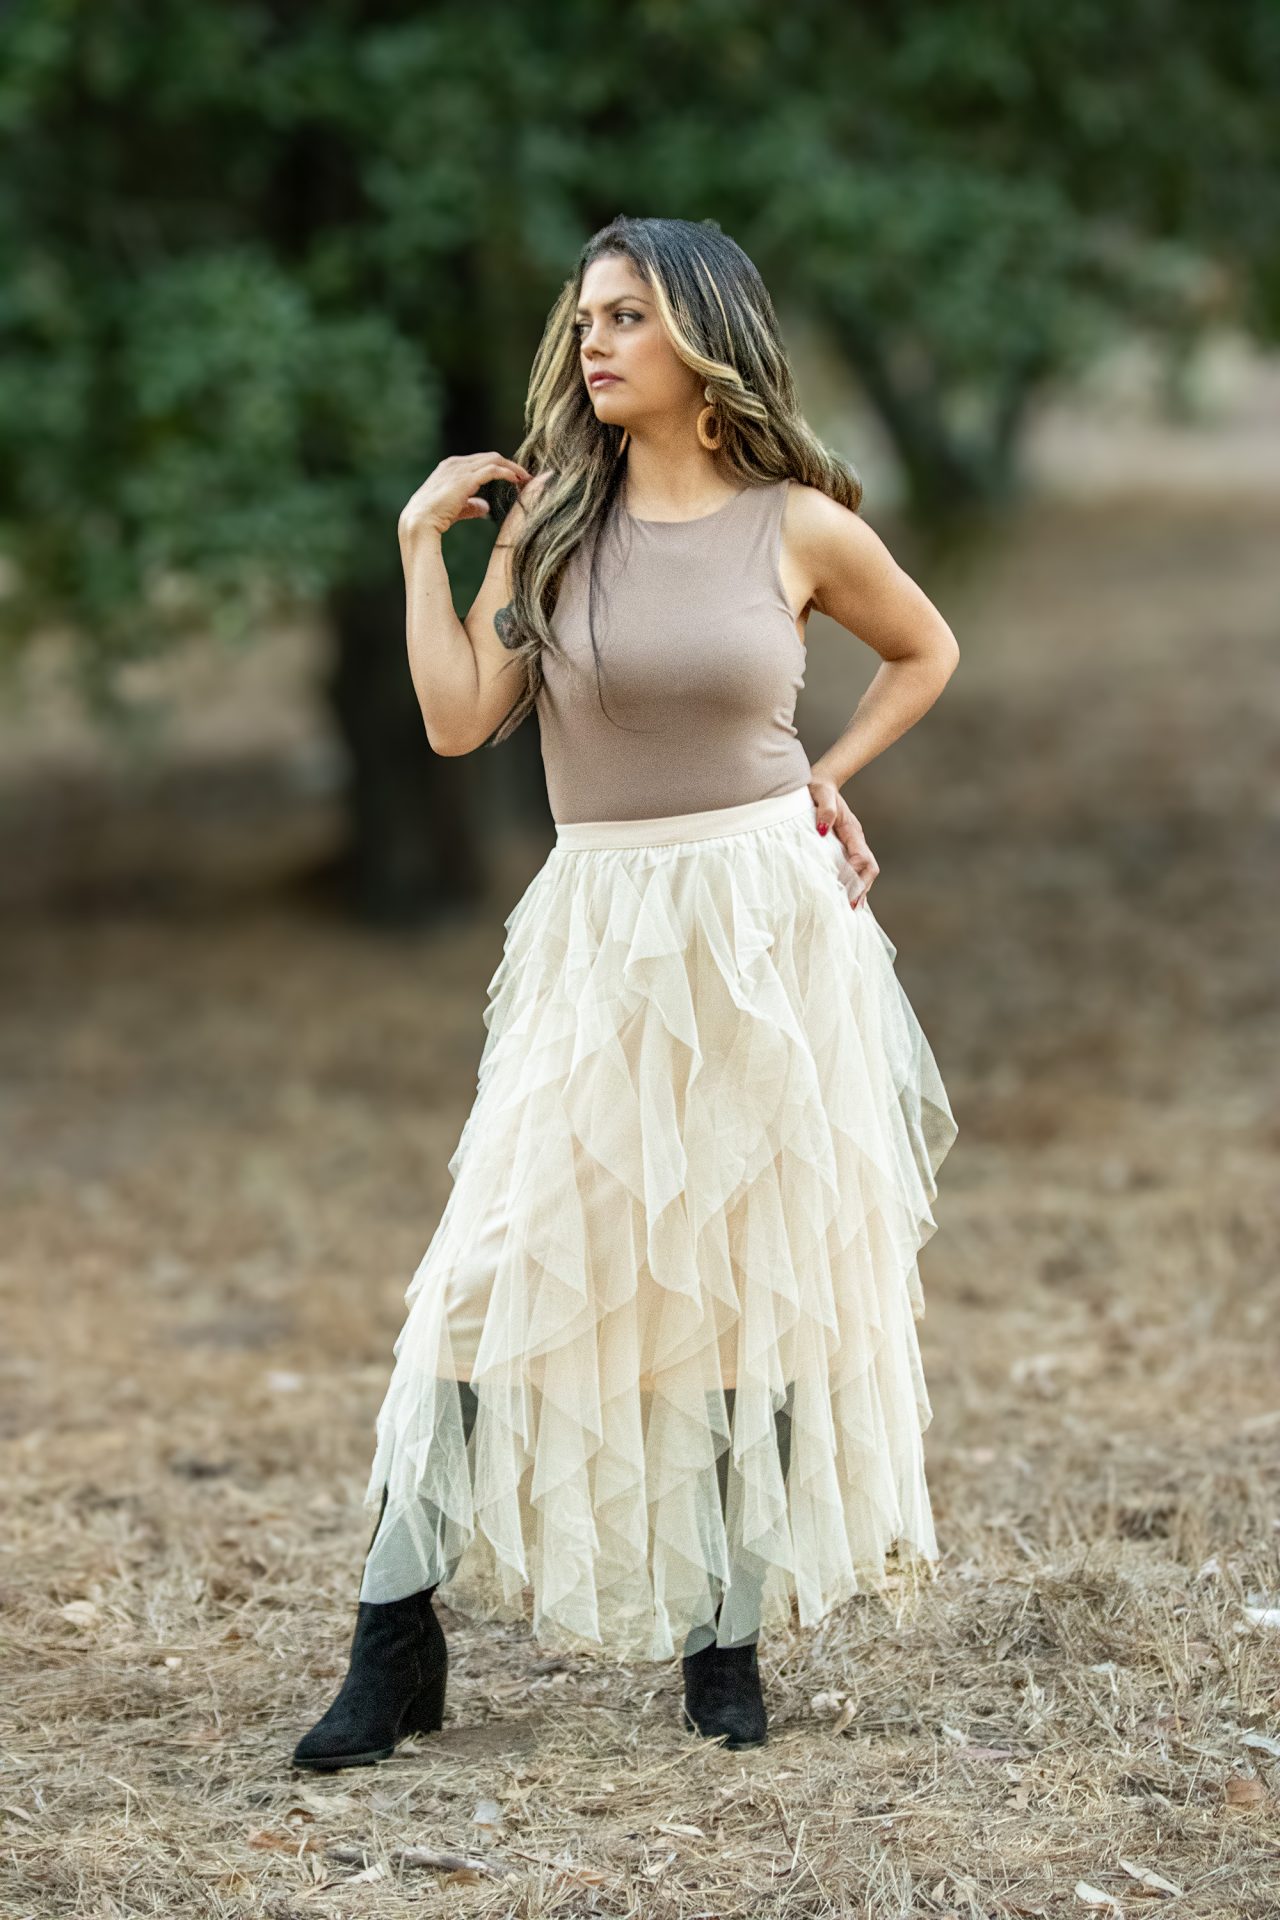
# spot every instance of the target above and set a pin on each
(461, 672)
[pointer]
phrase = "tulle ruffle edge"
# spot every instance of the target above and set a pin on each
(711, 1126)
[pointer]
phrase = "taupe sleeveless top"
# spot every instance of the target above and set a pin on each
(700, 666)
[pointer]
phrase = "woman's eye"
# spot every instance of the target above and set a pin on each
(625, 313)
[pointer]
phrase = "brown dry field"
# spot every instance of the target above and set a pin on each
(226, 1124)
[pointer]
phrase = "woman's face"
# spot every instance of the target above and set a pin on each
(619, 333)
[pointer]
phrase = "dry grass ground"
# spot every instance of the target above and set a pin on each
(226, 1126)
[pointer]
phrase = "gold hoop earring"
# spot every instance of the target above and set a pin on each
(707, 413)
(625, 440)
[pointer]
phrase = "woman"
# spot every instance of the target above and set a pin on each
(659, 1382)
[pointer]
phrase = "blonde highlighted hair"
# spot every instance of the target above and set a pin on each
(720, 320)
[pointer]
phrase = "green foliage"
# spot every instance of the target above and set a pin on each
(261, 267)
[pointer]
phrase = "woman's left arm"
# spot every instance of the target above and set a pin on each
(855, 580)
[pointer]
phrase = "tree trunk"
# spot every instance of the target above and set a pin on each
(950, 480)
(418, 819)
(413, 855)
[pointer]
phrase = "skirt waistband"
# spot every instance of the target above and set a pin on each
(667, 829)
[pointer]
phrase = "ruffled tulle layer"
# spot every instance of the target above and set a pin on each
(702, 1156)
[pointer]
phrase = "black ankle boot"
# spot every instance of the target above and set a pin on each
(722, 1695)
(394, 1686)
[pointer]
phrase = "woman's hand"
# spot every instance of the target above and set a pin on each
(449, 494)
(834, 815)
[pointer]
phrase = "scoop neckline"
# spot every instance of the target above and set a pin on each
(695, 520)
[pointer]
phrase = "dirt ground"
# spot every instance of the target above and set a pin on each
(226, 1124)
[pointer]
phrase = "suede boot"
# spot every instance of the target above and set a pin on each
(722, 1696)
(723, 1699)
(395, 1682)
(395, 1685)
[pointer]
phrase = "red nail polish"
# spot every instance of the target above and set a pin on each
(822, 826)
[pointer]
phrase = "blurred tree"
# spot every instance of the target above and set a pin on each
(262, 265)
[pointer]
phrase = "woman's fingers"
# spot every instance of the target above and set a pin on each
(450, 493)
(861, 861)
(493, 466)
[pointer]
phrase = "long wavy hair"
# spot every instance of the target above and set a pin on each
(720, 320)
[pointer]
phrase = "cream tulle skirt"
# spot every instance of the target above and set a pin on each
(701, 1158)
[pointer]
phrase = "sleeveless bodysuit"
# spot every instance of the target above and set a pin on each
(700, 666)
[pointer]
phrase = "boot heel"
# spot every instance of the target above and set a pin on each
(427, 1712)
(395, 1685)
(723, 1697)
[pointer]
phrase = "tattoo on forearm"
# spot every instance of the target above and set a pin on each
(503, 625)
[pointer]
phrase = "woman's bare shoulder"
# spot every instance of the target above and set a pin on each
(823, 533)
(810, 511)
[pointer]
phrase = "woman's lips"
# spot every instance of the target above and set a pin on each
(603, 379)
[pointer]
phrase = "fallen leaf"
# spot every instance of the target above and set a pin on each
(1245, 1792)
(1263, 1742)
(1095, 1897)
(583, 1876)
(827, 1702)
(1145, 1877)
(280, 1840)
(330, 1805)
(81, 1613)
